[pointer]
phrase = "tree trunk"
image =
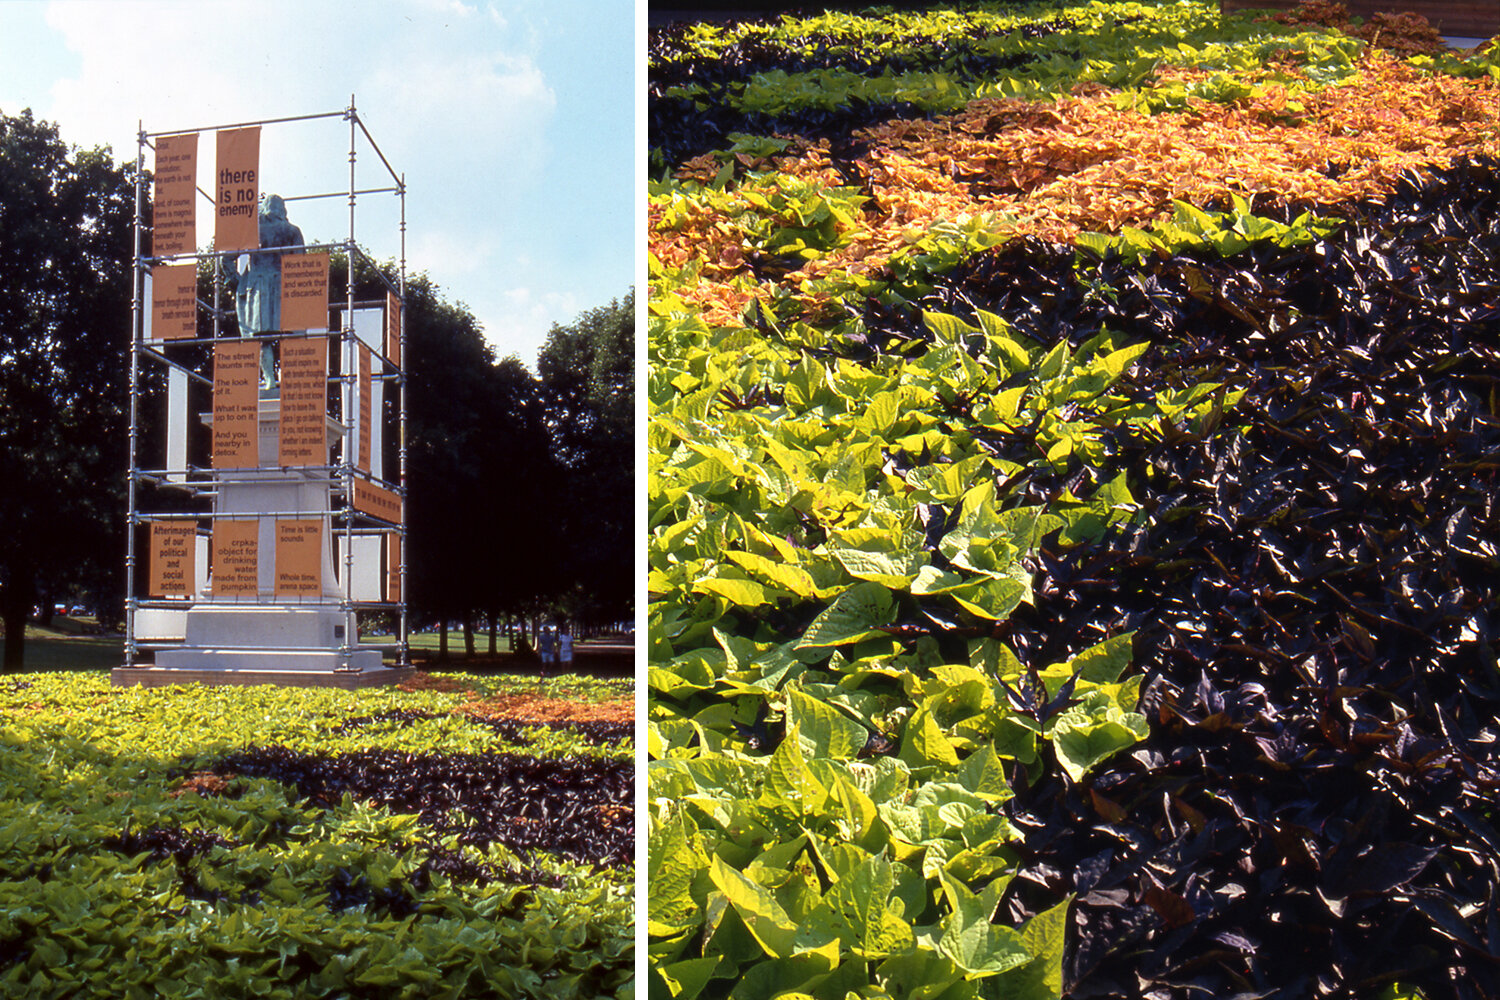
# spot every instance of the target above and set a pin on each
(15, 608)
(468, 635)
(494, 637)
(443, 640)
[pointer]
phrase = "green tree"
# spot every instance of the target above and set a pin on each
(588, 385)
(478, 458)
(479, 464)
(65, 251)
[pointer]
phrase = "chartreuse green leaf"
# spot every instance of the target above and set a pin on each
(858, 613)
(924, 742)
(790, 783)
(862, 913)
(893, 569)
(855, 810)
(993, 598)
(671, 872)
(738, 590)
(1043, 937)
(982, 774)
(777, 572)
(1092, 730)
(1398, 991)
(931, 580)
(1094, 667)
(829, 732)
(949, 329)
(686, 979)
(994, 659)
(970, 937)
(757, 907)
(1104, 663)
(684, 676)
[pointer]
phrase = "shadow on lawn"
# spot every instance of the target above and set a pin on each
(49, 650)
(613, 657)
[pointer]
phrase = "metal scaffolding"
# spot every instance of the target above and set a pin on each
(195, 489)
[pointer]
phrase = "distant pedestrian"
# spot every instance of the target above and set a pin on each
(565, 650)
(546, 648)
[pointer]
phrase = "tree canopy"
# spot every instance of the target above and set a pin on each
(519, 485)
(65, 248)
(588, 378)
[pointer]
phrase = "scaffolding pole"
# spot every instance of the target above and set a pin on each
(190, 360)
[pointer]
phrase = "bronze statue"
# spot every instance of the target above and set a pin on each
(257, 300)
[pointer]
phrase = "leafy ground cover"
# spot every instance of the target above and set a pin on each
(1162, 107)
(1073, 554)
(196, 841)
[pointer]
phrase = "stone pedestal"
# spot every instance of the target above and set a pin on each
(271, 634)
(270, 638)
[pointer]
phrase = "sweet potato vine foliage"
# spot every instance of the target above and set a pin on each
(210, 842)
(1073, 436)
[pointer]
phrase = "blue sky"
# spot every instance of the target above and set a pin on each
(512, 122)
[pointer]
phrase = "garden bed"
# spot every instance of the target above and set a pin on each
(232, 841)
(1072, 471)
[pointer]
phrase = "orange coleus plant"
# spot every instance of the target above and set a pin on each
(1093, 161)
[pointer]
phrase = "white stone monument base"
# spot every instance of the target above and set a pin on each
(266, 638)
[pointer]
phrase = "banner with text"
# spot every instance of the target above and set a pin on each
(236, 402)
(174, 199)
(393, 329)
(304, 291)
(174, 301)
(304, 401)
(237, 198)
(365, 409)
(393, 568)
(299, 558)
(377, 501)
(173, 546)
(236, 553)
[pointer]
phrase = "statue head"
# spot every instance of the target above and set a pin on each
(272, 207)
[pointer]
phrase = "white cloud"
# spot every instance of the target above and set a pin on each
(456, 8)
(526, 318)
(449, 257)
(487, 111)
(453, 91)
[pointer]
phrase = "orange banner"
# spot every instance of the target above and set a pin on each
(304, 401)
(236, 402)
(299, 552)
(174, 301)
(304, 291)
(237, 198)
(377, 501)
(393, 329)
(393, 568)
(365, 414)
(173, 547)
(174, 198)
(236, 553)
